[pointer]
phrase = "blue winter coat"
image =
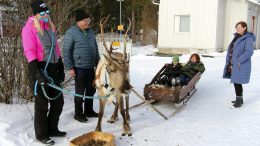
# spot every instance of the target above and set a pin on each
(80, 48)
(243, 49)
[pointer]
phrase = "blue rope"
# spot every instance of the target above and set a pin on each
(51, 84)
(78, 95)
(46, 74)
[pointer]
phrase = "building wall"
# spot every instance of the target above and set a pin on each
(236, 10)
(212, 24)
(221, 15)
(258, 29)
(254, 10)
(203, 24)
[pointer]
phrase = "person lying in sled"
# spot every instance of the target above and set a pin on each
(193, 66)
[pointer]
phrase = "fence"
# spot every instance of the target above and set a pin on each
(114, 37)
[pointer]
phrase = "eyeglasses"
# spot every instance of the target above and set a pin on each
(45, 12)
(87, 20)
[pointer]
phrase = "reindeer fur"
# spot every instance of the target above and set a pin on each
(118, 78)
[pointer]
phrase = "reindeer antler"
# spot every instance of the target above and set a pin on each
(102, 23)
(125, 36)
(123, 56)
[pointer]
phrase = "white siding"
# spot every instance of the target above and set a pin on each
(221, 25)
(254, 10)
(236, 11)
(203, 24)
(258, 30)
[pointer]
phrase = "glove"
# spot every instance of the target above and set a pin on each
(36, 72)
(40, 77)
(61, 70)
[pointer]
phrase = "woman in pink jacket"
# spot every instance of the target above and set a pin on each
(39, 38)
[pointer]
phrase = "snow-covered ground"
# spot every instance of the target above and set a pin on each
(207, 119)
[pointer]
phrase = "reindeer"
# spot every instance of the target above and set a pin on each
(116, 64)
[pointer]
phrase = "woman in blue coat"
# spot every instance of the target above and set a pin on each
(238, 60)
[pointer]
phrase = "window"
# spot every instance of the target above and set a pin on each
(182, 23)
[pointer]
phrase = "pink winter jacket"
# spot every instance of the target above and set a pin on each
(33, 48)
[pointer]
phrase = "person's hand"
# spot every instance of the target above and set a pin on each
(42, 80)
(72, 73)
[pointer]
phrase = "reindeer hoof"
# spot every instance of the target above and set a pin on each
(128, 132)
(98, 129)
(113, 120)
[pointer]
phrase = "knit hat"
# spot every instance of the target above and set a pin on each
(38, 6)
(175, 58)
(81, 15)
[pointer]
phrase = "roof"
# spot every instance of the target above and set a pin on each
(156, 2)
(255, 1)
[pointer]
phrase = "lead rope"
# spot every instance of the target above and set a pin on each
(51, 84)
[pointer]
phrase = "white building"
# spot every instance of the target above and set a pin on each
(204, 26)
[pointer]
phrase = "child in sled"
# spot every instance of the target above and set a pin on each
(193, 66)
(171, 74)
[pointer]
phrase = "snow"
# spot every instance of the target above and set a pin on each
(207, 119)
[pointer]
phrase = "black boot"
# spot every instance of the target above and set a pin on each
(47, 141)
(91, 113)
(234, 101)
(238, 102)
(81, 118)
(58, 133)
(88, 108)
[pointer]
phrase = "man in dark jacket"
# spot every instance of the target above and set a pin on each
(81, 56)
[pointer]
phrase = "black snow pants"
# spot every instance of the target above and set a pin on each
(47, 112)
(83, 86)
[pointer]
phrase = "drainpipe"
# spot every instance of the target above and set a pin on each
(253, 23)
(1, 24)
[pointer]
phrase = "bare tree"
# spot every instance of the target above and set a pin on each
(150, 23)
(133, 22)
(14, 79)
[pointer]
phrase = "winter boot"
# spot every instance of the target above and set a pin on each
(234, 101)
(238, 102)
(47, 141)
(57, 133)
(173, 82)
(178, 81)
(81, 118)
(88, 108)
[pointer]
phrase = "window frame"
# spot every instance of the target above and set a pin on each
(177, 24)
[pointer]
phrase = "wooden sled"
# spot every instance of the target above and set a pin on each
(175, 94)
(179, 95)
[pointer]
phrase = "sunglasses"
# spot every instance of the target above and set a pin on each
(45, 12)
